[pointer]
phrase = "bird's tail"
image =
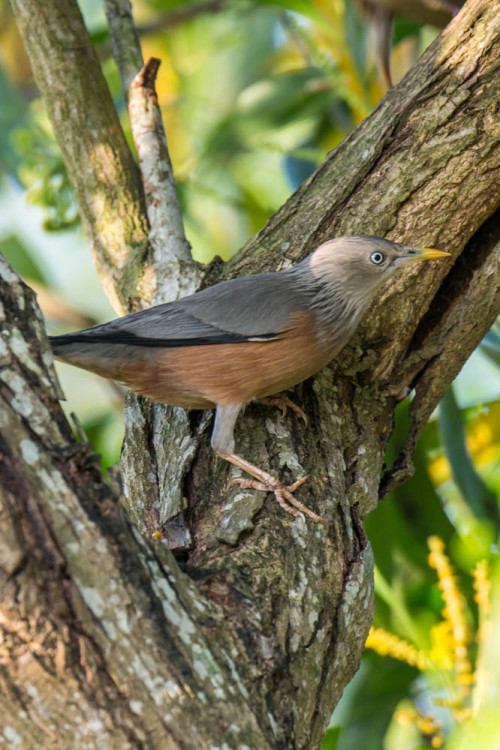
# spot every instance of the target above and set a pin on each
(99, 357)
(61, 344)
(70, 346)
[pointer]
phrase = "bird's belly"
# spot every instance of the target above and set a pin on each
(203, 376)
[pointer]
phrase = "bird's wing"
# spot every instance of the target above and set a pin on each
(252, 308)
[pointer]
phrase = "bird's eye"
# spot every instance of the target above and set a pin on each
(377, 258)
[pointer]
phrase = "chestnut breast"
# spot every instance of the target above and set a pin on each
(231, 373)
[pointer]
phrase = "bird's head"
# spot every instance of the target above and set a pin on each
(358, 265)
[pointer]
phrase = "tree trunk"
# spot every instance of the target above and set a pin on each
(247, 637)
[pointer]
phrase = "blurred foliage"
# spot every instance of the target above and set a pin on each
(254, 93)
(42, 172)
(480, 500)
(456, 680)
(409, 604)
(490, 345)
(20, 257)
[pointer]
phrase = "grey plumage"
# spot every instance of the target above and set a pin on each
(251, 307)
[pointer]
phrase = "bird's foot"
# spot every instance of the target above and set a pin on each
(284, 403)
(283, 495)
(265, 482)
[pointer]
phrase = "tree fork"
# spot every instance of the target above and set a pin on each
(249, 638)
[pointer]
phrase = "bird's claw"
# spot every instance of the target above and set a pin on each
(297, 483)
(284, 403)
(283, 495)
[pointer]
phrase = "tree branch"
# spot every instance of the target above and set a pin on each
(176, 274)
(125, 41)
(99, 163)
(446, 336)
(250, 638)
(135, 652)
(54, 502)
(422, 168)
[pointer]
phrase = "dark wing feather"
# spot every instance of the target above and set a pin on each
(258, 307)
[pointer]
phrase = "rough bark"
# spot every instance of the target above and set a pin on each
(248, 638)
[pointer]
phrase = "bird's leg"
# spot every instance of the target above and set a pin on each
(284, 403)
(223, 445)
(267, 483)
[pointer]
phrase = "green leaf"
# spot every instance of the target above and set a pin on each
(368, 703)
(330, 738)
(21, 259)
(490, 345)
(479, 498)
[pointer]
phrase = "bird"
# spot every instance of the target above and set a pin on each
(245, 338)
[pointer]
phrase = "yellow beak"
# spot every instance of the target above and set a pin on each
(415, 254)
(426, 253)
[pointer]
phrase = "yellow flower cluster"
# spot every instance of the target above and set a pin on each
(482, 589)
(482, 596)
(427, 725)
(451, 640)
(453, 612)
(442, 648)
(387, 644)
